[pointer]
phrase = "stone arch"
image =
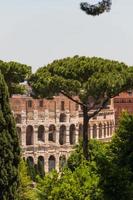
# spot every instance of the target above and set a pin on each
(41, 158)
(18, 118)
(19, 135)
(40, 166)
(52, 133)
(41, 136)
(62, 161)
(62, 135)
(100, 130)
(31, 167)
(72, 134)
(108, 127)
(104, 130)
(51, 163)
(29, 135)
(94, 131)
(80, 131)
(62, 117)
(30, 160)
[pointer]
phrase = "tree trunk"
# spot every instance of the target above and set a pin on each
(85, 133)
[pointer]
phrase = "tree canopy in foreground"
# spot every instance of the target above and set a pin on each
(108, 175)
(94, 80)
(9, 147)
(96, 9)
(15, 73)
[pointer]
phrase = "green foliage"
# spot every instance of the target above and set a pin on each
(82, 76)
(96, 9)
(94, 80)
(32, 170)
(108, 175)
(40, 169)
(26, 189)
(82, 184)
(15, 73)
(76, 158)
(9, 147)
(78, 180)
(117, 179)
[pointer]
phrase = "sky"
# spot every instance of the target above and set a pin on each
(36, 32)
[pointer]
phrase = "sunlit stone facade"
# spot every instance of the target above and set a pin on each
(123, 102)
(48, 129)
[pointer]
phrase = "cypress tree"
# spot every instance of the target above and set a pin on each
(9, 147)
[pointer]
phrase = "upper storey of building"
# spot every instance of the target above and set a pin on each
(123, 102)
(58, 109)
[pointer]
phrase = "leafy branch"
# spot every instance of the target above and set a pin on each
(96, 9)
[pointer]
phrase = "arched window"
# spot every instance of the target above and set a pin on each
(19, 135)
(94, 131)
(72, 134)
(104, 130)
(51, 163)
(18, 119)
(41, 133)
(30, 160)
(107, 129)
(31, 167)
(62, 162)
(52, 133)
(62, 135)
(80, 131)
(62, 117)
(29, 135)
(40, 166)
(100, 130)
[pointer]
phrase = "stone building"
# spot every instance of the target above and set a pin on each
(48, 129)
(123, 102)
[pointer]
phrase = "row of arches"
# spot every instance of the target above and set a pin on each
(51, 134)
(98, 130)
(94, 131)
(51, 162)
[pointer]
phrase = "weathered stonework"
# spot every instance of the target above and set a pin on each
(123, 102)
(48, 129)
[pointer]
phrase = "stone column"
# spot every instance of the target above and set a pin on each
(35, 115)
(67, 135)
(67, 117)
(46, 134)
(35, 135)
(23, 132)
(97, 132)
(23, 117)
(57, 162)
(57, 134)
(76, 135)
(46, 157)
(57, 116)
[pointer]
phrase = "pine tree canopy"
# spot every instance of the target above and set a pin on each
(15, 73)
(94, 80)
(96, 9)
